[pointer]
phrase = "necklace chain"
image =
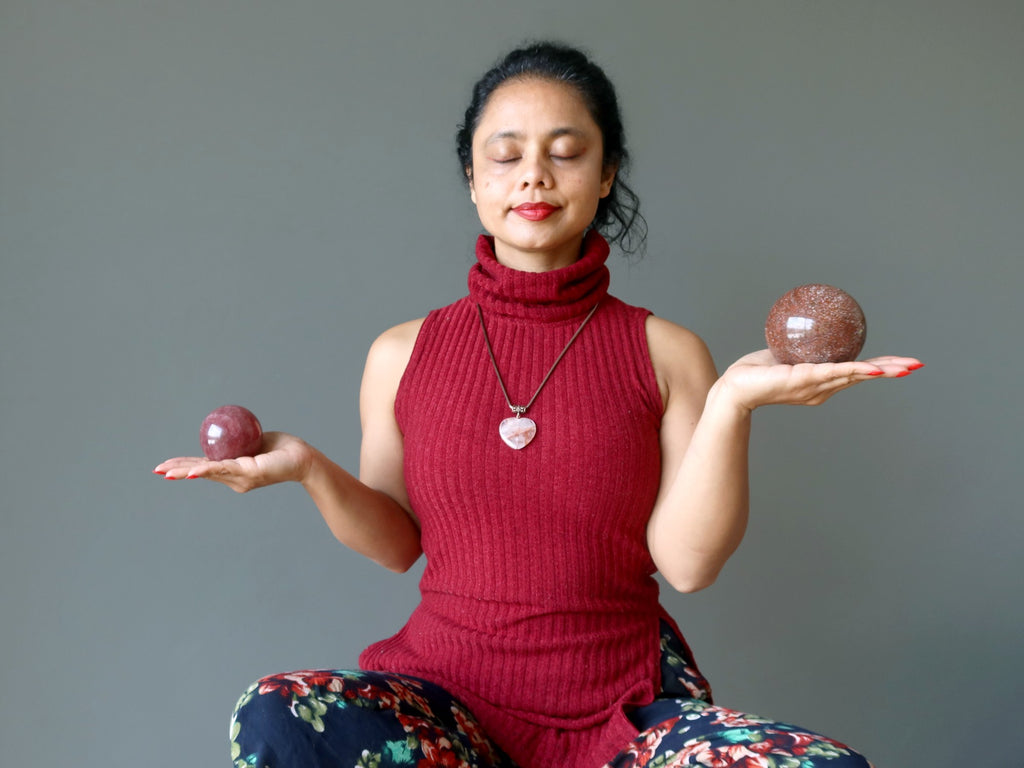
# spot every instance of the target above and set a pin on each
(519, 410)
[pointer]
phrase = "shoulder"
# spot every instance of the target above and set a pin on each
(682, 361)
(666, 337)
(390, 353)
(393, 350)
(398, 339)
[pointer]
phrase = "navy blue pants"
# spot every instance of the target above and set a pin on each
(358, 719)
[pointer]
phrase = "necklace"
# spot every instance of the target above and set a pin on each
(517, 431)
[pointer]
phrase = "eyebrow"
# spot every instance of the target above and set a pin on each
(553, 134)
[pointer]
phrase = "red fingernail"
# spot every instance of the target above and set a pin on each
(901, 374)
(915, 366)
(159, 471)
(875, 373)
(191, 477)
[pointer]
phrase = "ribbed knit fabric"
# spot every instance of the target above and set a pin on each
(539, 610)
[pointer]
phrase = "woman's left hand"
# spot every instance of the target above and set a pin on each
(759, 379)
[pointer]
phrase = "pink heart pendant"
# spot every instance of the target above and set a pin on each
(517, 431)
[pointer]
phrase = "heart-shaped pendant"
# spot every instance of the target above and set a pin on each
(517, 431)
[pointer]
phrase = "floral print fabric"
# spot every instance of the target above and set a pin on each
(359, 719)
(356, 719)
(684, 728)
(696, 733)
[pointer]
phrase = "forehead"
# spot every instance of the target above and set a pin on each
(534, 105)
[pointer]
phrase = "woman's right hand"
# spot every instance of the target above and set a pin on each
(283, 458)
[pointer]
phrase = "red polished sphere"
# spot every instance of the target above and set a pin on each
(815, 323)
(229, 432)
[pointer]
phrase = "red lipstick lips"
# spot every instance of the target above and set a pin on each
(535, 211)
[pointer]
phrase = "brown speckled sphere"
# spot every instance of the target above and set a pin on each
(815, 323)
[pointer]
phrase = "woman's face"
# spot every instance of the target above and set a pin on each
(538, 173)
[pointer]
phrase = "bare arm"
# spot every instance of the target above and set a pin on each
(700, 516)
(372, 514)
(382, 450)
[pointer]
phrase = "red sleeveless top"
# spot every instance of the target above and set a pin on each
(539, 609)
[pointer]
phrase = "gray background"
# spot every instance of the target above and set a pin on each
(210, 201)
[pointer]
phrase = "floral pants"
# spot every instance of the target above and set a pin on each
(358, 719)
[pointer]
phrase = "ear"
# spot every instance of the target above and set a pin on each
(608, 178)
(469, 181)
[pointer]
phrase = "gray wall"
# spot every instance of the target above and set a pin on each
(210, 201)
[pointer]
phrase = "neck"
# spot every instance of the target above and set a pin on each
(538, 261)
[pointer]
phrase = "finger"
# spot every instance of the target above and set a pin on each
(186, 470)
(874, 370)
(176, 463)
(216, 470)
(175, 473)
(909, 363)
(191, 468)
(889, 366)
(898, 367)
(828, 373)
(814, 383)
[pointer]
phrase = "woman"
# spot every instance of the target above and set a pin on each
(549, 448)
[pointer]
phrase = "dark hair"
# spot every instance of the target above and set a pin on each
(618, 214)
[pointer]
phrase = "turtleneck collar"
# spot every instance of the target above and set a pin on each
(556, 295)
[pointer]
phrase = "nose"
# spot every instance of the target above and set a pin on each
(536, 172)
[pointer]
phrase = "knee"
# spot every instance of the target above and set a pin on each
(851, 759)
(826, 753)
(285, 698)
(271, 722)
(259, 705)
(247, 695)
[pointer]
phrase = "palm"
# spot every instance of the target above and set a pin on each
(283, 458)
(759, 379)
